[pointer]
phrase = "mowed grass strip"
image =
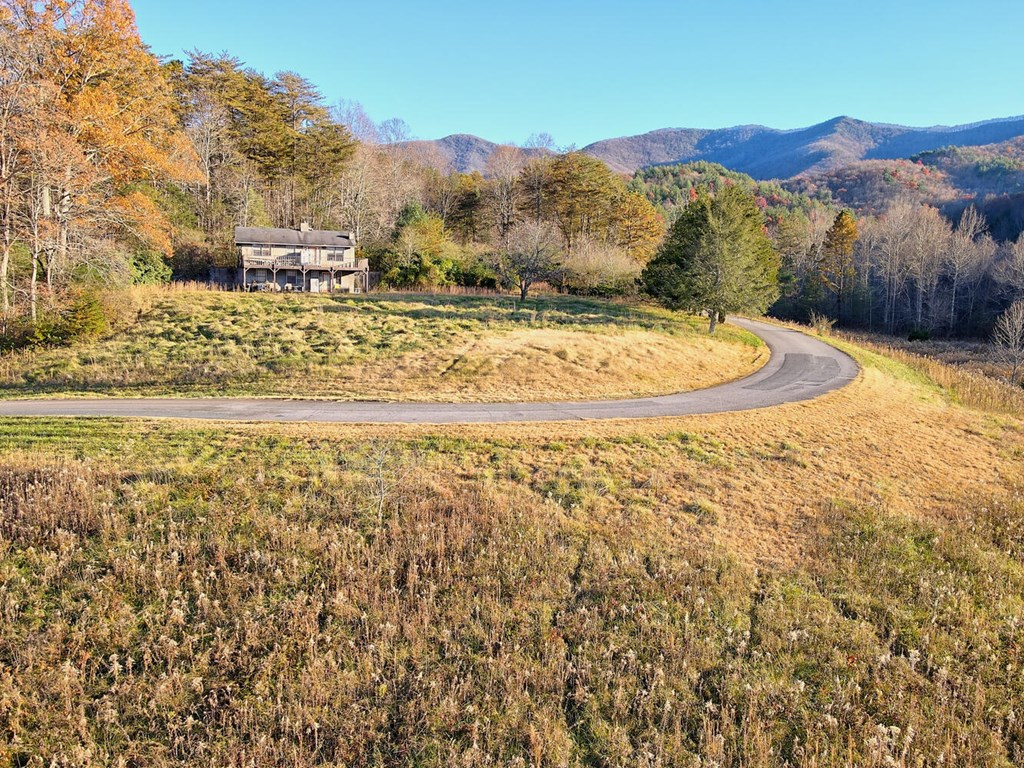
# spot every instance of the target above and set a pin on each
(390, 347)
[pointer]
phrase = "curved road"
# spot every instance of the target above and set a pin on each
(800, 368)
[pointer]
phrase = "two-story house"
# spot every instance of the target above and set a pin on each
(303, 259)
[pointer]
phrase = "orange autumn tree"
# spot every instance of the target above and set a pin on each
(102, 136)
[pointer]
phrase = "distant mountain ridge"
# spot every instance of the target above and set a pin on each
(762, 152)
(461, 152)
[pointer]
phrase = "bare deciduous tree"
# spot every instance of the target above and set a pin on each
(1011, 270)
(1009, 338)
(532, 255)
(504, 192)
(374, 187)
(890, 236)
(970, 249)
(352, 115)
(928, 241)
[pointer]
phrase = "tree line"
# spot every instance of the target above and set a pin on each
(117, 167)
(531, 215)
(907, 270)
(273, 153)
(562, 218)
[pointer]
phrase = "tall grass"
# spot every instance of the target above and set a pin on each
(358, 608)
(966, 386)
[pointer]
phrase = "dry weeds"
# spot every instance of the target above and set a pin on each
(967, 372)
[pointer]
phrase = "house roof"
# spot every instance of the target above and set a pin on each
(268, 236)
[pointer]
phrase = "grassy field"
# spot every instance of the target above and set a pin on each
(829, 583)
(391, 347)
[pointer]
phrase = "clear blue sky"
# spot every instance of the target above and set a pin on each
(583, 71)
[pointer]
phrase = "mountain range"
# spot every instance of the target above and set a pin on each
(762, 152)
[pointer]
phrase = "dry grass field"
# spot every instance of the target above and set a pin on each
(831, 583)
(387, 347)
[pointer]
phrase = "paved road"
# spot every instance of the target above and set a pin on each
(800, 368)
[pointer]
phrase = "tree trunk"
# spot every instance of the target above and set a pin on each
(5, 266)
(523, 290)
(33, 290)
(64, 228)
(40, 207)
(952, 302)
(713, 324)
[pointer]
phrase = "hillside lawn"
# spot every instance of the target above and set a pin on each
(830, 583)
(387, 347)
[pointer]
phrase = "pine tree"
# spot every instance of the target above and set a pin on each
(636, 226)
(717, 258)
(837, 268)
(581, 190)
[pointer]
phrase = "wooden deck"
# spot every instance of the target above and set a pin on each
(293, 262)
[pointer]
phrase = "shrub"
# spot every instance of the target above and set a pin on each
(919, 334)
(822, 324)
(598, 269)
(149, 268)
(193, 261)
(86, 316)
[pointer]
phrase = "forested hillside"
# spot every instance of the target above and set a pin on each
(990, 177)
(768, 153)
(916, 255)
(762, 152)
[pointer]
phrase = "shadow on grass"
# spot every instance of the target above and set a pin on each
(550, 310)
(20, 389)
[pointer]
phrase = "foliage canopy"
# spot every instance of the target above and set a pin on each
(717, 258)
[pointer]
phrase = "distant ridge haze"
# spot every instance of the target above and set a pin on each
(761, 152)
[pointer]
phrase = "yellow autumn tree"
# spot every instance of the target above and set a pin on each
(637, 227)
(98, 130)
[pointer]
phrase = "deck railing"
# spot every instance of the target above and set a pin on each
(286, 262)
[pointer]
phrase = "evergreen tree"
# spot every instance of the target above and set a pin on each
(581, 190)
(636, 226)
(837, 269)
(717, 258)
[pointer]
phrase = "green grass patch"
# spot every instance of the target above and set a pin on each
(208, 343)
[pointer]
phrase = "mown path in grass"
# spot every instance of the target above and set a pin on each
(800, 368)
